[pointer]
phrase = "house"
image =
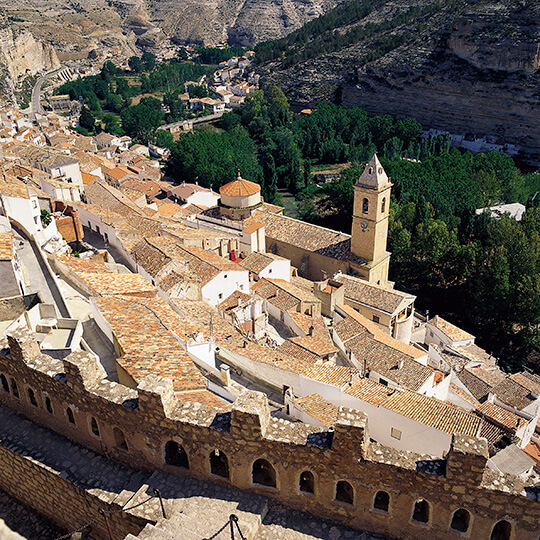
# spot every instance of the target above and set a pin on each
(392, 310)
(445, 334)
(512, 460)
(266, 265)
(187, 193)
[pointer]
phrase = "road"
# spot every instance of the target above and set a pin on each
(36, 91)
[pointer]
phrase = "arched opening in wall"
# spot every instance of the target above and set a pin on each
(5, 385)
(501, 531)
(175, 455)
(94, 426)
(263, 473)
(344, 492)
(307, 482)
(48, 405)
(119, 439)
(219, 464)
(383, 205)
(14, 388)
(381, 501)
(365, 206)
(421, 511)
(70, 417)
(370, 170)
(460, 520)
(32, 397)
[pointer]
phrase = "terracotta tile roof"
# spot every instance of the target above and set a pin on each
(278, 297)
(463, 394)
(113, 284)
(145, 329)
(476, 386)
(265, 285)
(492, 432)
(220, 263)
(474, 353)
(533, 450)
(150, 256)
(369, 391)
(203, 396)
(233, 300)
(528, 380)
(490, 375)
(449, 330)
(513, 394)
(434, 413)
(317, 407)
(255, 262)
(6, 246)
(89, 178)
(339, 376)
(303, 283)
(240, 188)
(169, 209)
(501, 417)
(250, 229)
(83, 265)
(381, 353)
(297, 351)
(304, 235)
(376, 296)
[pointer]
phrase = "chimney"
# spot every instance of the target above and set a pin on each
(238, 301)
(311, 330)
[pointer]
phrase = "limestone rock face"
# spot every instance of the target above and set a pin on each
(22, 55)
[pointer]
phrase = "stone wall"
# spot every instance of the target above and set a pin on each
(63, 502)
(134, 427)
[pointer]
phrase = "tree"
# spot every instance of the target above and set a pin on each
(135, 64)
(149, 61)
(111, 124)
(140, 121)
(164, 138)
(87, 120)
(270, 178)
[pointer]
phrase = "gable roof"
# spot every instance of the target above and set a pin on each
(317, 407)
(450, 330)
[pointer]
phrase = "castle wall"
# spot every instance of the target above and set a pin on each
(60, 500)
(150, 416)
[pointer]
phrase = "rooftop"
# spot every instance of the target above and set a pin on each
(240, 188)
(113, 284)
(6, 246)
(449, 330)
(513, 394)
(256, 262)
(500, 416)
(318, 408)
(375, 296)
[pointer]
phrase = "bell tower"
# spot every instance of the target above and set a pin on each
(370, 224)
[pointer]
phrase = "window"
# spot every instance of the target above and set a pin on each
(383, 381)
(307, 482)
(383, 205)
(48, 405)
(376, 319)
(263, 473)
(421, 511)
(32, 397)
(344, 492)
(269, 270)
(219, 464)
(220, 296)
(396, 434)
(225, 276)
(365, 206)
(14, 388)
(119, 439)
(381, 501)
(460, 520)
(175, 455)
(5, 385)
(70, 417)
(94, 426)
(501, 531)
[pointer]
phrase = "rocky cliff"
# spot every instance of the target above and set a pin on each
(465, 68)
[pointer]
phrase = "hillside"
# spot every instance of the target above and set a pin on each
(462, 66)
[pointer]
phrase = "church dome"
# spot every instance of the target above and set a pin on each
(240, 193)
(240, 188)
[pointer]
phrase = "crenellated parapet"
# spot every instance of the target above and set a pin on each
(338, 474)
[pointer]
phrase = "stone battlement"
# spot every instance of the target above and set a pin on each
(339, 474)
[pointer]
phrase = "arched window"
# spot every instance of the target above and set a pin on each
(501, 531)
(344, 492)
(48, 405)
(365, 206)
(421, 511)
(175, 455)
(32, 397)
(70, 416)
(263, 473)
(94, 426)
(14, 388)
(307, 482)
(370, 170)
(5, 385)
(119, 439)
(460, 520)
(381, 501)
(219, 464)
(383, 205)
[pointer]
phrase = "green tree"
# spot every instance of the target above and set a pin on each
(135, 64)
(87, 120)
(164, 138)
